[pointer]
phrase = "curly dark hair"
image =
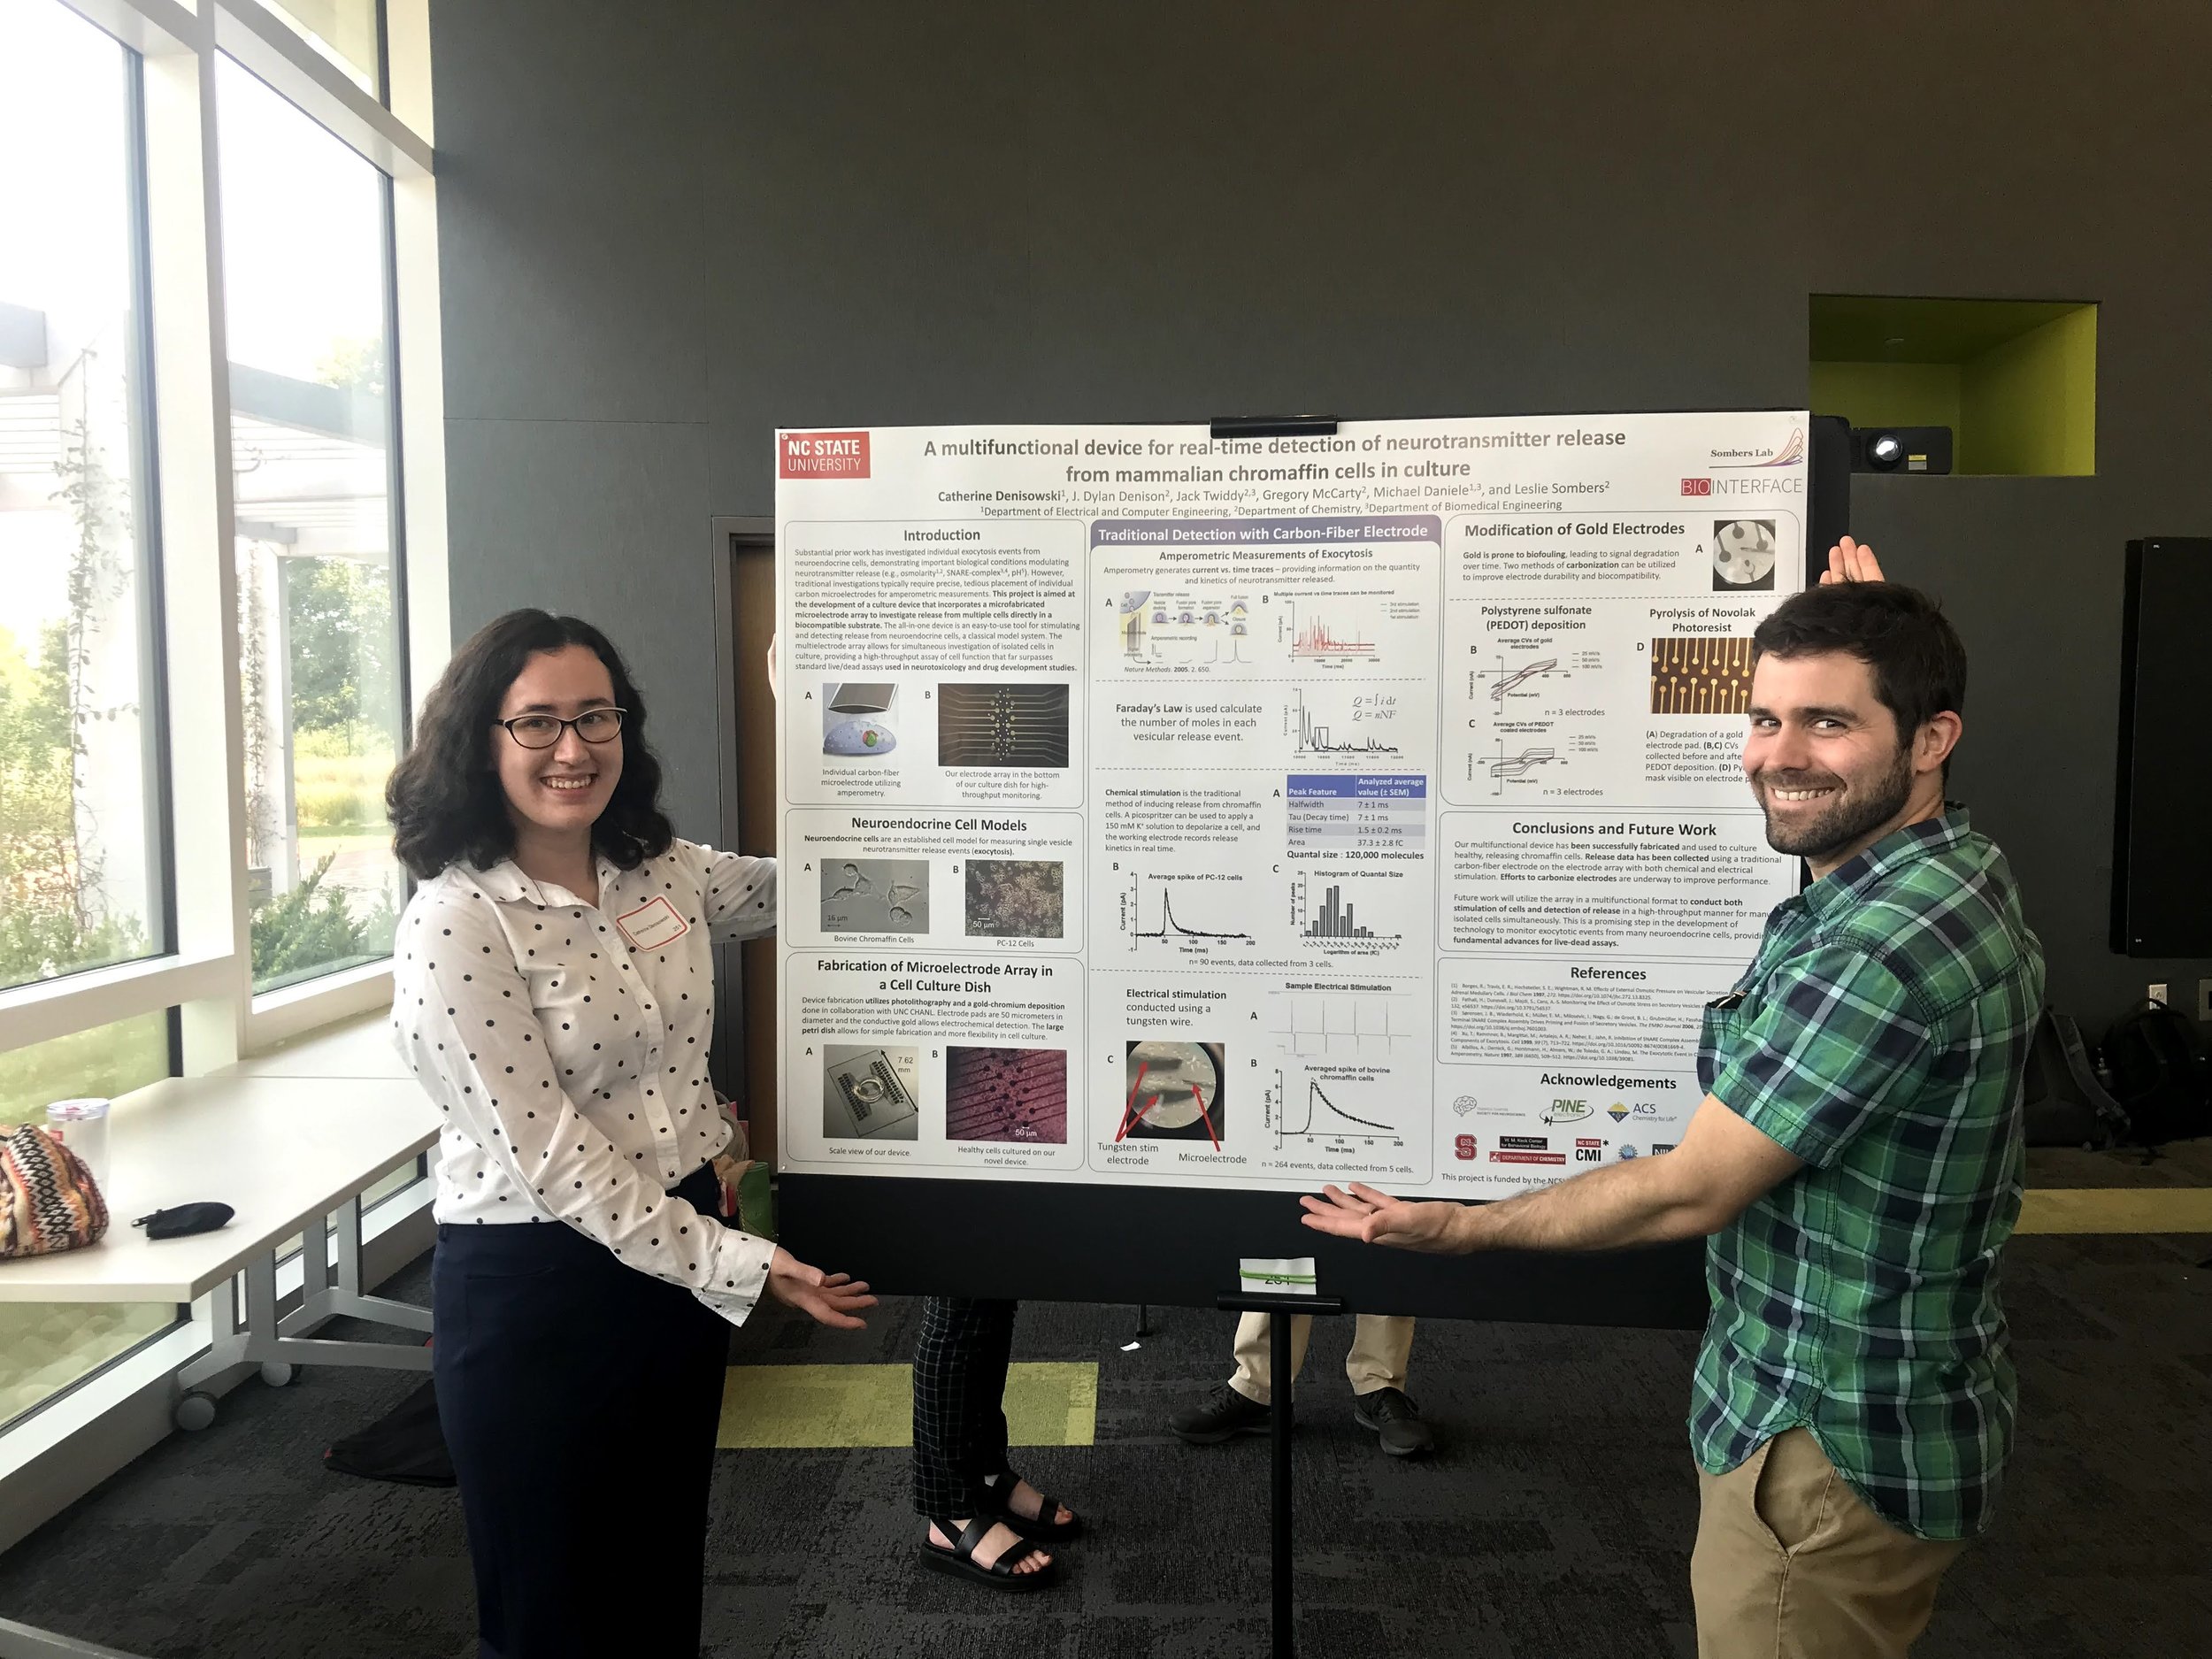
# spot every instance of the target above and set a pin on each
(444, 798)
(1899, 633)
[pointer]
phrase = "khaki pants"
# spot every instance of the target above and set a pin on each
(1790, 1564)
(1380, 1343)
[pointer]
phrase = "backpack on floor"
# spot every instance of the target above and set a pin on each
(2063, 1104)
(48, 1201)
(2160, 1074)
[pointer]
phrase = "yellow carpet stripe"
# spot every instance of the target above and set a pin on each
(2117, 1209)
(796, 1407)
(800, 1407)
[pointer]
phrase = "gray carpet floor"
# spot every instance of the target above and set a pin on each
(1555, 1523)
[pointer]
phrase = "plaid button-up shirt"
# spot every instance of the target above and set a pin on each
(1881, 1037)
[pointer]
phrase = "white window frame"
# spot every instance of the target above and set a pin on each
(206, 972)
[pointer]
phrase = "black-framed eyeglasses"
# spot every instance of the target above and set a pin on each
(543, 731)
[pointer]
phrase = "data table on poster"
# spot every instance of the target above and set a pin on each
(1165, 807)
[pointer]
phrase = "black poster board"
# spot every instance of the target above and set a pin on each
(1180, 1246)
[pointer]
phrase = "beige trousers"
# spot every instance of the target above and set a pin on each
(1790, 1564)
(1380, 1343)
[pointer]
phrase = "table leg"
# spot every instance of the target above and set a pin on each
(25, 1641)
(1284, 1386)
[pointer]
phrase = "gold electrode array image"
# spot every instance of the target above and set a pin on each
(1700, 676)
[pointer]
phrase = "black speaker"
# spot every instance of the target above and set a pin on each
(1828, 507)
(2162, 898)
(1900, 448)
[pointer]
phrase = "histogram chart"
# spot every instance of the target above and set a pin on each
(1327, 913)
(1361, 912)
(1334, 919)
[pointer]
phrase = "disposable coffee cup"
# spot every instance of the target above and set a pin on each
(82, 1126)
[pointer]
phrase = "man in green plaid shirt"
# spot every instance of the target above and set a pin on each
(1855, 1163)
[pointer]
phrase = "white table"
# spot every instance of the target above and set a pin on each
(284, 1152)
(285, 1139)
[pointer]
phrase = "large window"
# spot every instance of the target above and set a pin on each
(305, 295)
(204, 625)
(346, 32)
(47, 1347)
(79, 809)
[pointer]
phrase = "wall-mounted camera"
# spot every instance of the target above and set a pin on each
(1900, 448)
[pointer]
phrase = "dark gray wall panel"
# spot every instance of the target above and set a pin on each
(755, 216)
(572, 243)
(601, 521)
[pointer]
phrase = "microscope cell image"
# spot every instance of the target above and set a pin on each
(1018, 1094)
(1014, 898)
(1003, 725)
(875, 896)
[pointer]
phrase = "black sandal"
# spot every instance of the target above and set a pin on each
(1044, 1527)
(959, 1559)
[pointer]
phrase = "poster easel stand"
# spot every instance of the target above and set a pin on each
(1280, 1309)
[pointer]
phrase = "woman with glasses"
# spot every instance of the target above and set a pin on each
(554, 993)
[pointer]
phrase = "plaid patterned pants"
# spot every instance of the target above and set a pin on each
(959, 1402)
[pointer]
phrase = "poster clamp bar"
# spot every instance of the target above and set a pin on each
(1274, 426)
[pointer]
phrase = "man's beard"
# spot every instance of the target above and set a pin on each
(1847, 818)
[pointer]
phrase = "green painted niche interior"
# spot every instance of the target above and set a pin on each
(2016, 380)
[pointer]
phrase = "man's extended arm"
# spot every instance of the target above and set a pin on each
(1721, 1164)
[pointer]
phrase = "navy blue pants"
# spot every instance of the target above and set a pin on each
(580, 1399)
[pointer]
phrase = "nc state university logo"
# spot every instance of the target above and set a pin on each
(822, 455)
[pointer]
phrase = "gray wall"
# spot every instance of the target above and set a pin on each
(668, 228)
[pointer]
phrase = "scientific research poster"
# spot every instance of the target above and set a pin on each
(1163, 809)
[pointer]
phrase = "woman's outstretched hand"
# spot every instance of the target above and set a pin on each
(831, 1299)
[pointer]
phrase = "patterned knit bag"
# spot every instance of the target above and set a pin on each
(48, 1201)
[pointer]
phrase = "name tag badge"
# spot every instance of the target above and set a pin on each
(653, 926)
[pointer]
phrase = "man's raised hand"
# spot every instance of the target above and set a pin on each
(1850, 561)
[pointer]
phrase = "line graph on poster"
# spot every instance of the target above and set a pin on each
(1195, 914)
(1342, 1024)
(1360, 724)
(1519, 765)
(1352, 1108)
(1337, 632)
